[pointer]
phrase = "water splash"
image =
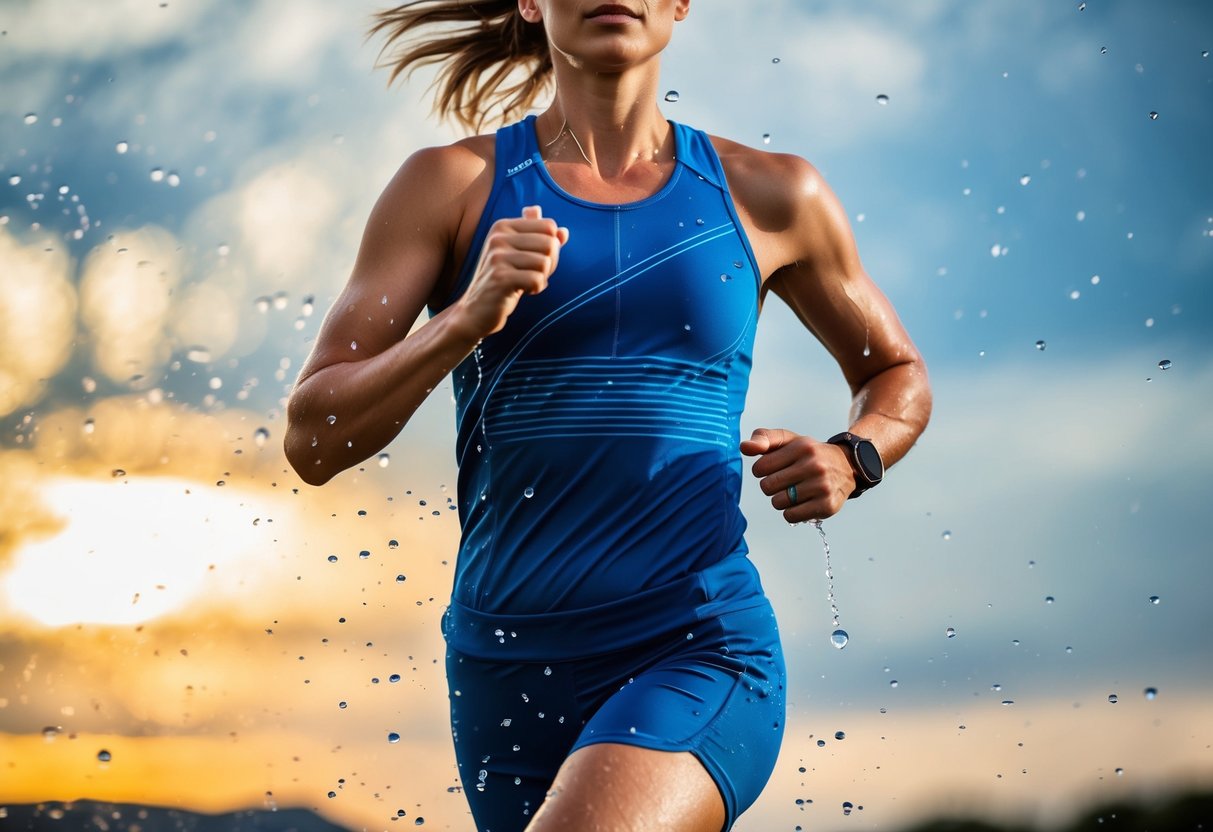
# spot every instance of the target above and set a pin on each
(839, 637)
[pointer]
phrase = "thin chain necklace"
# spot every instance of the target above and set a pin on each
(563, 128)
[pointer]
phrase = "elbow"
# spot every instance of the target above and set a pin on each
(310, 469)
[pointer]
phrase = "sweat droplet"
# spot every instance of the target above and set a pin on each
(839, 639)
(672, 96)
(1165, 364)
(331, 419)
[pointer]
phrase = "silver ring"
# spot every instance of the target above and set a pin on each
(792, 494)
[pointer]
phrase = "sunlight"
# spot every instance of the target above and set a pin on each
(135, 549)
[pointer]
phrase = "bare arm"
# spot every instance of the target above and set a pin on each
(818, 273)
(367, 375)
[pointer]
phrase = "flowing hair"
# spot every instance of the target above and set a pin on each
(492, 61)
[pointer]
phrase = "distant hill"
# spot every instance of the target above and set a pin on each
(92, 816)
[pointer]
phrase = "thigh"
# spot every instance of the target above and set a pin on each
(609, 787)
(513, 725)
(714, 695)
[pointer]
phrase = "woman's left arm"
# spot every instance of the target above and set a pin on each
(819, 275)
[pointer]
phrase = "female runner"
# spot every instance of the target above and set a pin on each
(593, 276)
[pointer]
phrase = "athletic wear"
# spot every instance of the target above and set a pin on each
(600, 480)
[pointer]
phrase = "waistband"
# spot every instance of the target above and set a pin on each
(727, 586)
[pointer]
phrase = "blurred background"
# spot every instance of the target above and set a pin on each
(184, 623)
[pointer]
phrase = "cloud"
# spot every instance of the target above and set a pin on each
(37, 318)
(68, 29)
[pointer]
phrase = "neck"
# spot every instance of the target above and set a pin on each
(608, 121)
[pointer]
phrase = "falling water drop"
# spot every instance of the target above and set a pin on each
(950, 632)
(261, 436)
(384, 459)
(1025, 179)
(122, 147)
(1165, 364)
(1113, 699)
(839, 639)
(393, 737)
(1153, 116)
(1041, 345)
(31, 118)
(1155, 600)
(766, 138)
(882, 100)
(104, 756)
(672, 96)
(1151, 693)
(528, 492)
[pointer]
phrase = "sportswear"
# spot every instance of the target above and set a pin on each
(602, 590)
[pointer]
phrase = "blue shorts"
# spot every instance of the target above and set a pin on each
(714, 687)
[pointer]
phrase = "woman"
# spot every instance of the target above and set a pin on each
(593, 276)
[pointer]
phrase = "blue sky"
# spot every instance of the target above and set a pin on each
(1013, 189)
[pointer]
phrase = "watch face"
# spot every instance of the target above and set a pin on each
(869, 460)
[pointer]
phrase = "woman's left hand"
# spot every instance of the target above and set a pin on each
(821, 473)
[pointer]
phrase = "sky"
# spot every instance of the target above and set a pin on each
(183, 186)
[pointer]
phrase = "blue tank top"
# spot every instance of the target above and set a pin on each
(598, 430)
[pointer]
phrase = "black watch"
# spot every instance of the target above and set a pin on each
(865, 460)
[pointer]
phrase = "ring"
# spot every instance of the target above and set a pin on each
(792, 494)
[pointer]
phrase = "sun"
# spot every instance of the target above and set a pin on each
(133, 549)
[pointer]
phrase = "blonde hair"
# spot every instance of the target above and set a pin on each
(494, 65)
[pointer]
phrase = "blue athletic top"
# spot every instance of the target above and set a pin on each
(598, 431)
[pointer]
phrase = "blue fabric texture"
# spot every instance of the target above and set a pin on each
(602, 590)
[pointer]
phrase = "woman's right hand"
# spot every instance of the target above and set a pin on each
(518, 257)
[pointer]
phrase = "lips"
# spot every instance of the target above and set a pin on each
(612, 10)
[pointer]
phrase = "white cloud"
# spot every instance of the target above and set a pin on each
(71, 29)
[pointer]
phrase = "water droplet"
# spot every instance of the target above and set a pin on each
(384, 460)
(1025, 179)
(393, 544)
(547, 671)
(104, 756)
(262, 303)
(672, 96)
(353, 345)
(821, 743)
(839, 639)
(1049, 599)
(1153, 116)
(50, 732)
(528, 492)
(261, 436)
(364, 554)
(996, 687)
(1082, 7)
(14, 180)
(1008, 702)
(774, 60)
(893, 683)
(724, 278)
(1113, 699)
(309, 306)
(400, 579)
(950, 632)
(117, 473)
(1154, 599)
(1151, 693)
(847, 806)
(1120, 772)
(31, 118)
(766, 138)
(1041, 345)
(89, 425)
(331, 419)
(947, 534)
(343, 704)
(394, 678)
(1103, 50)
(882, 100)
(122, 147)
(332, 558)
(1165, 364)
(840, 735)
(332, 795)
(156, 174)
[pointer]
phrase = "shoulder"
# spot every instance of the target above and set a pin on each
(777, 189)
(444, 171)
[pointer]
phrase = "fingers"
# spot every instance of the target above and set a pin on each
(819, 471)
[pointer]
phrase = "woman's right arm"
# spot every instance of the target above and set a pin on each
(367, 374)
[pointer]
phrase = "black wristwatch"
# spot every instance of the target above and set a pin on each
(865, 460)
